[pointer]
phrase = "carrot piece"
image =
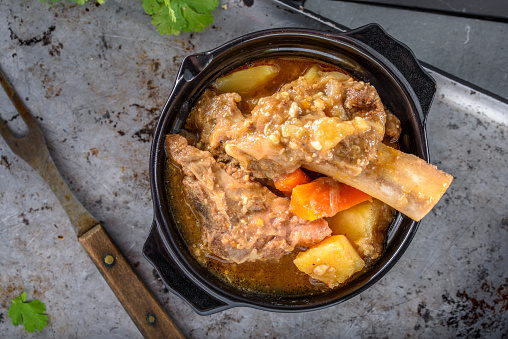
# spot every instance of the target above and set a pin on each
(324, 197)
(287, 182)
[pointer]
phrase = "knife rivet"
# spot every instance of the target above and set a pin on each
(150, 318)
(109, 260)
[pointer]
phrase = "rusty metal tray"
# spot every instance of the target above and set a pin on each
(96, 77)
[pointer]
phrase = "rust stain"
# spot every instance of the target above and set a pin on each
(40, 71)
(145, 133)
(5, 162)
(476, 313)
(45, 38)
(155, 66)
(24, 219)
(56, 49)
(12, 286)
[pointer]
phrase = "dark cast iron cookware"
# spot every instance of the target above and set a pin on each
(368, 53)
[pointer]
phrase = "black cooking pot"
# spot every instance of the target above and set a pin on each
(367, 53)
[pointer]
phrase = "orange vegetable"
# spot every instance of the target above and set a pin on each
(287, 182)
(324, 197)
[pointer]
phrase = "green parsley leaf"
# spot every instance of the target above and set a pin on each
(30, 314)
(176, 16)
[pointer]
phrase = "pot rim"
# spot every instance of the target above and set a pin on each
(192, 73)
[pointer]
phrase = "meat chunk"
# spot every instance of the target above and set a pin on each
(211, 117)
(241, 220)
(392, 128)
(310, 120)
(330, 124)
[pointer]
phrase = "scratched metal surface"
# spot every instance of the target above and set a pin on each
(95, 78)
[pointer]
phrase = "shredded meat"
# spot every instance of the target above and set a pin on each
(322, 120)
(212, 115)
(393, 128)
(241, 219)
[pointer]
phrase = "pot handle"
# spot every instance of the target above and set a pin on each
(403, 59)
(193, 64)
(175, 280)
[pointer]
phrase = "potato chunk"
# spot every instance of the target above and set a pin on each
(312, 74)
(246, 80)
(361, 225)
(332, 261)
(315, 72)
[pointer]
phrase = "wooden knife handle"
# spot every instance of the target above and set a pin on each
(146, 312)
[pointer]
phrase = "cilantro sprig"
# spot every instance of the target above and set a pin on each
(175, 16)
(30, 314)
